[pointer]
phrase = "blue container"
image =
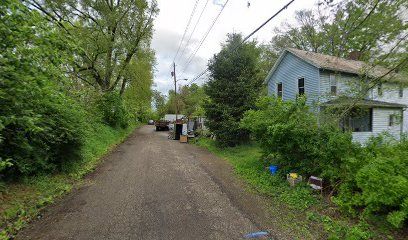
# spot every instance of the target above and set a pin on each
(273, 169)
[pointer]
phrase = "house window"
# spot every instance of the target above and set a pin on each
(392, 120)
(280, 89)
(360, 121)
(380, 90)
(301, 86)
(401, 92)
(333, 85)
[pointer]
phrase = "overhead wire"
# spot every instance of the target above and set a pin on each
(193, 31)
(185, 30)
(246, 38)
(204, 37)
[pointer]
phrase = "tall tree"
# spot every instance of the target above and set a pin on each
(138, 94)
(159, 103)
(234, 84)
(192, 98)
(108, 35)
(368, 27)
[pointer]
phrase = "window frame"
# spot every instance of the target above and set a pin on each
(332, 78)
(380, 90)
(347, 122)
(391, 120)
(303, 87)
(400, 92)
(279, 93)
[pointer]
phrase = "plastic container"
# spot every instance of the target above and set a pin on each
(273, 169)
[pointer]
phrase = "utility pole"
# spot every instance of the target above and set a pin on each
(173, 74)
(175, 88)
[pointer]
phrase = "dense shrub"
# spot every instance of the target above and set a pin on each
(367, 180)
(40, 126)
(290, 136)
(377, 181)
(113, 110)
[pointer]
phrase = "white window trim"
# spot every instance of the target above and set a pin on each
(332, 77)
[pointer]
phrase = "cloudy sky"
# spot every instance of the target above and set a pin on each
(236, 17)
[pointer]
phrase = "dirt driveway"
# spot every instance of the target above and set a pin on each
(154, 188)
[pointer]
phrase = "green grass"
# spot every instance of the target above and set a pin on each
(246, 162)
(316, 218)
(22, 201)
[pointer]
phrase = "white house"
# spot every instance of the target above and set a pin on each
(330, 81)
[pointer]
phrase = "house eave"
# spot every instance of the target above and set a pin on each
(362, 103)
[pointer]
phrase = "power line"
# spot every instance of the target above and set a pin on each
(192, 32)
(246, 38)
(185, 30)
(204, 37)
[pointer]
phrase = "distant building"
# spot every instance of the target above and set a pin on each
(328, 81)
(172, 117)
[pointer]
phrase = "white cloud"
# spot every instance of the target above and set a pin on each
(236, 17)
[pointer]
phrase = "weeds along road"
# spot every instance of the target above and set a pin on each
(150, 187)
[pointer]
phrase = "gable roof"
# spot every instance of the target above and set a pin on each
(337, 64)
(346, 101)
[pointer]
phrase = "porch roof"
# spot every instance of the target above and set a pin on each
(363, 103)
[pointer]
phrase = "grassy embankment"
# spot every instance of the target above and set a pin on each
(22, 201)
(299, 211)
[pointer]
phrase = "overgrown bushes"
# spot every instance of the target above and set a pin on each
(40, 126)
(113, 110)
(290, 137)
(367, 180)
(376, 181)
(45, 116)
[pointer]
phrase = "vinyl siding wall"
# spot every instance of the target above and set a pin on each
(391, 94)
(317, 89)
(380, 125)
(345, 85)
(290, 69)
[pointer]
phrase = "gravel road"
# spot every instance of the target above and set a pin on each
(150, 187)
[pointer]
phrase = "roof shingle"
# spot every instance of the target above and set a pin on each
(338, 64)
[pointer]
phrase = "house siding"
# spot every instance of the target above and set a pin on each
(391, 94)
(290, 69)
(317, 89)
(345, 85)
(380, 125)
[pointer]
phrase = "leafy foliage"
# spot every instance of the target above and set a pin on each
(289, 134)
(40, 126)
(138, 95)
(159, 101)
(46, 109)
(341, 28)
(192, 98)
(370, 178)
(376, 181)
(234, 85)
(108, 35)
(113, 110)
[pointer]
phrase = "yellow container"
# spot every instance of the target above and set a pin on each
(293, 175)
